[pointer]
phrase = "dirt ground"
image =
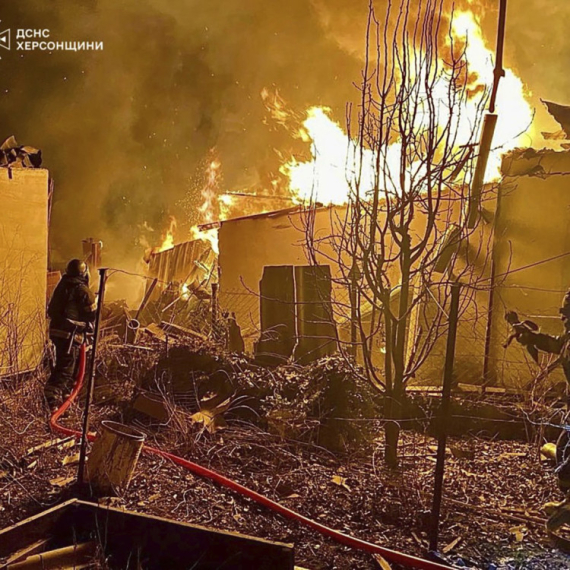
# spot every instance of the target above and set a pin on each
(491, 515)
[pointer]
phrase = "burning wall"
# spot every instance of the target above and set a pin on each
(23, 267)
(190, 263)
(530, 250)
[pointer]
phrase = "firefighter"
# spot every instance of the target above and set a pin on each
(72, 313)
(528, 335)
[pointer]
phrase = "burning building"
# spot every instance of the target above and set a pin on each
(253, 243)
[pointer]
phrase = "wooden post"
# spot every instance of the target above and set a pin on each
(489, 123)
(92, 253)
(444, 415)
(214, 309)
(91, 377)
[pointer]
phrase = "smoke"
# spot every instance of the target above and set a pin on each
(125, 132)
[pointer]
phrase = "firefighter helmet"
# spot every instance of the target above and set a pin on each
(77, 268)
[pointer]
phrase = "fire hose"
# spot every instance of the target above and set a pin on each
(390, 555)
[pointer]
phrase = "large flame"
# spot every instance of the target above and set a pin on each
(514, 113)
(326, 177)
(209, 209)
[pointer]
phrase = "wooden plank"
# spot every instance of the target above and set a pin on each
(173, 542)
(171, 328)
(37, 527)
(170, 544)
(29, 550)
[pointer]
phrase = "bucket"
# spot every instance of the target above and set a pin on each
(114, 456)
(132, 330)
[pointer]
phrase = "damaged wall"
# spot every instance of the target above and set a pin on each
(23, 267)
(532, 228)
(191, 263)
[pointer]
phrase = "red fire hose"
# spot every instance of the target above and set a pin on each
(388, 554)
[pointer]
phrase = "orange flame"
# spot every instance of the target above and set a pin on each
(327, 178)
(210, 205)
(168, 238)
(514, 113)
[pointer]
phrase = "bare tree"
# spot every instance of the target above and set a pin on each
(404, 235)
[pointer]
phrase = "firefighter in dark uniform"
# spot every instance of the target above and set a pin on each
(72, 313)
(528, 335)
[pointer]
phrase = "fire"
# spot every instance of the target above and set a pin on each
(281, 115)
(185, 292)
(209, 209)
(327, 177)
(209, 192)
(513, 109)
(168, 238)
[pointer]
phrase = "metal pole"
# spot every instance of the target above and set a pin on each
(489, 124)
(444, 415)
(488, 374)
(91, 377)
(499, 71)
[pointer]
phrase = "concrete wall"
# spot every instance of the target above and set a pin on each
(533, 227)
(23, 267)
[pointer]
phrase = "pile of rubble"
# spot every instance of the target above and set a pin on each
(14, 155)
(195, 382)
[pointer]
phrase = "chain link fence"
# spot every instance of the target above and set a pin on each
(483, 361)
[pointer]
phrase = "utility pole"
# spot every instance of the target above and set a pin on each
(489, 122)
(498, 73)
(91, 378)
(443, 417)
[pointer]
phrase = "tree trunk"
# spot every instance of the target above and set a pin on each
(398, 340)
(392, 435)
(393, 414)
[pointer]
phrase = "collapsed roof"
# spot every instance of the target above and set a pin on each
(561, 114)
(14, 155)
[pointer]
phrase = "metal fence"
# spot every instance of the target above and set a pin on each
(481, 358)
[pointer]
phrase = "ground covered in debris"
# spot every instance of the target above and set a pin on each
(493, 495)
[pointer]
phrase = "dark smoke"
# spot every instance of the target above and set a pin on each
(125, 132)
